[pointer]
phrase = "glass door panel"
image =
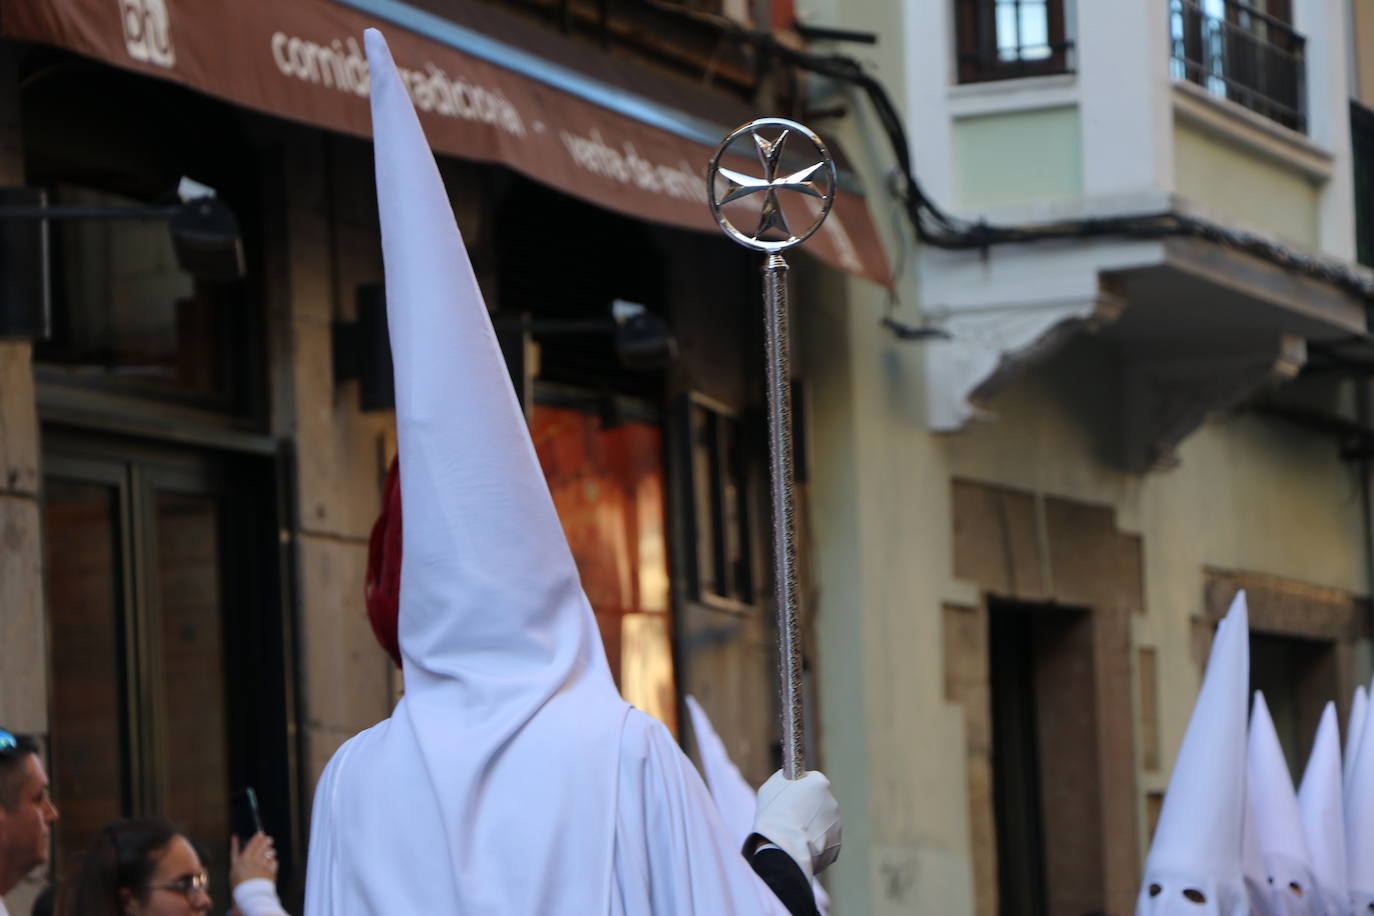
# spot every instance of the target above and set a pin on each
(83, 525)
(193, 719)
(135, 554)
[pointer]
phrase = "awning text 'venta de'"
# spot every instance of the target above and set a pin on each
(480, 97)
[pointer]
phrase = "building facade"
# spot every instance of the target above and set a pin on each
(192, 467)
(1138, 385)
(1120, 374)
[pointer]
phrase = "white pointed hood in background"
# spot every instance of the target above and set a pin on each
(733, 795)
(1354, 727)
(1323, 815)
(511, 778)
(1359, 824)
(1252, 863)
(1273, 807)
(1194, 866)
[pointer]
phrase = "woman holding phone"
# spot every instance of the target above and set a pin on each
(147, 867)
(253, 875)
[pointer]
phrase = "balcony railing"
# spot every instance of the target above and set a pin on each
(1243, 54)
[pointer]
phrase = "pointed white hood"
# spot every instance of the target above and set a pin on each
(1354, 728)
(732, 793)
(1323, 815)
(1272, 806)
(1359, 824)
(1252, 863)
(493, 786)
(1194, 866)
(491, 603)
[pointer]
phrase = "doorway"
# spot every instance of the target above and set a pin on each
(1046, 779)
(167, 640)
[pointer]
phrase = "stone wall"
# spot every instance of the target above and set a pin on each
(23, 624)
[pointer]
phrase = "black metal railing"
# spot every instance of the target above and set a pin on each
(1243, 54)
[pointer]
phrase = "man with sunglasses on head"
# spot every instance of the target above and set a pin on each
(26, 811)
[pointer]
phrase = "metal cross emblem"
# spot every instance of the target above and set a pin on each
(816, 180)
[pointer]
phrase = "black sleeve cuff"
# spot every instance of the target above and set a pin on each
(786, 879)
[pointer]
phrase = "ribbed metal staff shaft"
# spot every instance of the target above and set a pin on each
(779, 379)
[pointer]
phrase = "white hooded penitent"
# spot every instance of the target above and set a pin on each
(1359, 825)
(1354, 727)
(1290, 888)
(511, 778)
(1194, 866)
(1323, 815)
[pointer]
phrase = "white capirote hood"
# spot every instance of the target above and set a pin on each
(1194, 865)
(511, 779)
(1359, 707)
(1289, 888)
(1323, 814)
(1359, 823)
(510, 721)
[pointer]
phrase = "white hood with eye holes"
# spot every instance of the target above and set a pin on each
(1323, 815)
(1359, 707)
(1194, 866)
(1359, 822)
(1287, 885)
(511, 778)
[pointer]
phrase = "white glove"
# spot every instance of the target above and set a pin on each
(801, 818)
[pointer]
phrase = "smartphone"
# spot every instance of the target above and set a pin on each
(244, 811)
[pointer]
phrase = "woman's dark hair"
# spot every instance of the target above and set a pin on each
(122, 858)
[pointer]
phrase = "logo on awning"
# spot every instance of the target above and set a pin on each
(148, 31)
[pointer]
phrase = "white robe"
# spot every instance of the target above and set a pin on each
(512, 778)
(671, 853)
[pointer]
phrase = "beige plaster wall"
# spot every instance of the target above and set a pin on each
(1249, 493)
(890, 742)
(1223, 177)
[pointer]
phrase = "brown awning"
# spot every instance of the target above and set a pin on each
(480, 97)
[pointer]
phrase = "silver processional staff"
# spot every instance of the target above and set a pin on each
(757, 197)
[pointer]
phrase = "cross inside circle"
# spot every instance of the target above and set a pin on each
(816, 180)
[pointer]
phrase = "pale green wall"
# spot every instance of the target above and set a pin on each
(1243, 185)
(1018, 158)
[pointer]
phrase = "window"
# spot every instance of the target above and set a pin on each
(1003, 39)
(1246, 53)
(722, 566)
(126, 315)
(126, 319)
